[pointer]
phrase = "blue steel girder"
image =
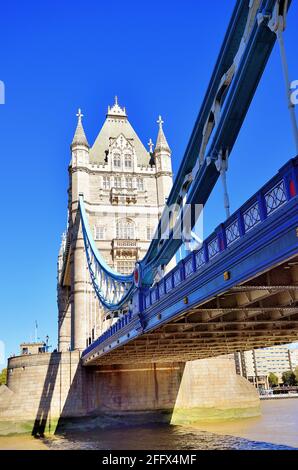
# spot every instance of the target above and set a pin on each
(235, 103)
(227, 52)
(260, 235)
(235, 107)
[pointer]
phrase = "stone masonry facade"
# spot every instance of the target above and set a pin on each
(44, 389)
(125, 189)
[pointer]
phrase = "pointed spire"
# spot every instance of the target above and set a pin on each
(161, 142)
(79, 137)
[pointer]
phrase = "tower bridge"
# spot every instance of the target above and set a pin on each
(128, 319)
(132, 315)
(237, 292)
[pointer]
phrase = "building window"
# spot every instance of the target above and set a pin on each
(125, 229)
(117, 181)
(106, 182)
(99, 232)
(140, 184)
(149, 233)
(117, 160)
(125, 267)
(128, 161)
(128, 183)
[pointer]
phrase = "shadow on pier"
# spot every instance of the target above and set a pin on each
(43, 416)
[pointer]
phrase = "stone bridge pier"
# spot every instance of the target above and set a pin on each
(46, 392)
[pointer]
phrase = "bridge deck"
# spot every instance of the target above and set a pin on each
(239, 291)
(255, 314)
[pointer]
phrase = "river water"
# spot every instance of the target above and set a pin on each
(276, 428)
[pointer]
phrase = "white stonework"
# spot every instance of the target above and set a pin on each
(125, 188)
(118, 179)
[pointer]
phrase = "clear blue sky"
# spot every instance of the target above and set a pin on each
(158, 58)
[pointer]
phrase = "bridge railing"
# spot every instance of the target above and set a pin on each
(272, 196)
(111, 331)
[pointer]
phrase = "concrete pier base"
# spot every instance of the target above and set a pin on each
(211, 390)
(48, 390)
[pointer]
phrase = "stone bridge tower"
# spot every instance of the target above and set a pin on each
(125, 188)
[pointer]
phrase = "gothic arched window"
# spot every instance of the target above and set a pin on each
(128, 160)
(106, 182)
(117, 160)
(125, 229)
(117, 181)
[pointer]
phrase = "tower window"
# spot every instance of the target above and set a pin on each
(149, 233)
(125, 267)
(125, 229)
(128, 182)
(140, 184)
(99, 232)
(128, 161)
(117, 181)
(117, 160)
(106, 182)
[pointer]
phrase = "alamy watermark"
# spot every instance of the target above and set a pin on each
(2, 92)
(2, 353)
(177, 222)
(294, 93)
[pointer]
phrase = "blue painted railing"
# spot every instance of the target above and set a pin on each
(121, 323)
(272, 196)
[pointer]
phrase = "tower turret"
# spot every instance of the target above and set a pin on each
(163, 164)
(79, 184)
(79, 146)
(79, 161)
